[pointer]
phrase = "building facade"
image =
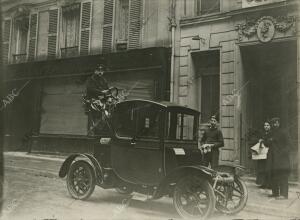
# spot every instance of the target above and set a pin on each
(239, 60)
(51, 47)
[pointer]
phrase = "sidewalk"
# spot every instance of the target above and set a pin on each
(52, 157)
(258, 200)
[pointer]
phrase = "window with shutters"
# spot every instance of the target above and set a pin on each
(70, 29)
(47, 34)
(85, 28)
(203, 7)
(21, 28)
(135, 24)
(6, 40)
(122, 24)
(52, 34)
(108, 26)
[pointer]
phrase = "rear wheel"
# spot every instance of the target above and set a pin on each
(81, 180)
(194, 198)
(231, 197)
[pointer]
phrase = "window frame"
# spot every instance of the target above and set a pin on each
(198, 8)
(63, 34)
(121, 44)
(172, 113)
(116, 125)
(159, 120)
(19, 56)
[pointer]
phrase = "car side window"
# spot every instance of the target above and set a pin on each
(148, 119)
(180, 126)
(124, 120)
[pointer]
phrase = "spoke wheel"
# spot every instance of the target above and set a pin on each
(231, 197)
(194, 198)
(81, 180)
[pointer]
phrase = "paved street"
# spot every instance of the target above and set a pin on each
(33, 191)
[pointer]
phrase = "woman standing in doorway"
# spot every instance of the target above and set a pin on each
(263, 173)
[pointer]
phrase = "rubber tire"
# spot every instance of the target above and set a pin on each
(208, 188)
(243, 202)
(91, 174)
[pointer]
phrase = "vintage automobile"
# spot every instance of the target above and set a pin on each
(153, 150)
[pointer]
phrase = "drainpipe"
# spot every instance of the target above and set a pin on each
(172, 24)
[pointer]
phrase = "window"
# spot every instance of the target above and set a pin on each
(207, 6)
(70, 29)
(6, 40)
(124, 120)
(122, 24)
(148, 121)
(181, 126)
(21, 27)
(207, 70)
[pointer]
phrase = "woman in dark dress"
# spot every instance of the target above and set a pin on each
(262, 171)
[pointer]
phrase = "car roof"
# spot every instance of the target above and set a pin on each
(164, 104)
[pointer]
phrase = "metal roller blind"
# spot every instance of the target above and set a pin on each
(136, 89)
(62, 110)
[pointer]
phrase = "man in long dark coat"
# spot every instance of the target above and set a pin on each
(279, 160)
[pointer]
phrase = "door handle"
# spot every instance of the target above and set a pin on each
(132, 143)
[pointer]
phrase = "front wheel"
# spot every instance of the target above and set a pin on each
(81, 180)
(231, 197)
(194, 198)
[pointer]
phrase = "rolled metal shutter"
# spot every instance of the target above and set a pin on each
(136, 89)
(62, 110)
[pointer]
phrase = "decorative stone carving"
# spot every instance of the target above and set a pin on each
(265, 27)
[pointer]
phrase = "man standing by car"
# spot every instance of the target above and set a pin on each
(213, 137)
(278, 157)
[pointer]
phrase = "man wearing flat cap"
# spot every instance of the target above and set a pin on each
(279, 160)
(214, 137)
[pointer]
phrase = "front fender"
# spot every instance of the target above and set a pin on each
(180, 172)
(87, 157)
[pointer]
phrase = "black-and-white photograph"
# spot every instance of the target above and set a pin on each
(150, 109)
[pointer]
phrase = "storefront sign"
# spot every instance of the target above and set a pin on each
(252, 3)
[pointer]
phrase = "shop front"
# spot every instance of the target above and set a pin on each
(243, 66)
(55, 120)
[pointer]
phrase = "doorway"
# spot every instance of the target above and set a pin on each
(269, 90)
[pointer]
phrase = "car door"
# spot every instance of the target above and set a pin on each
(181, 139)
(137, 150)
